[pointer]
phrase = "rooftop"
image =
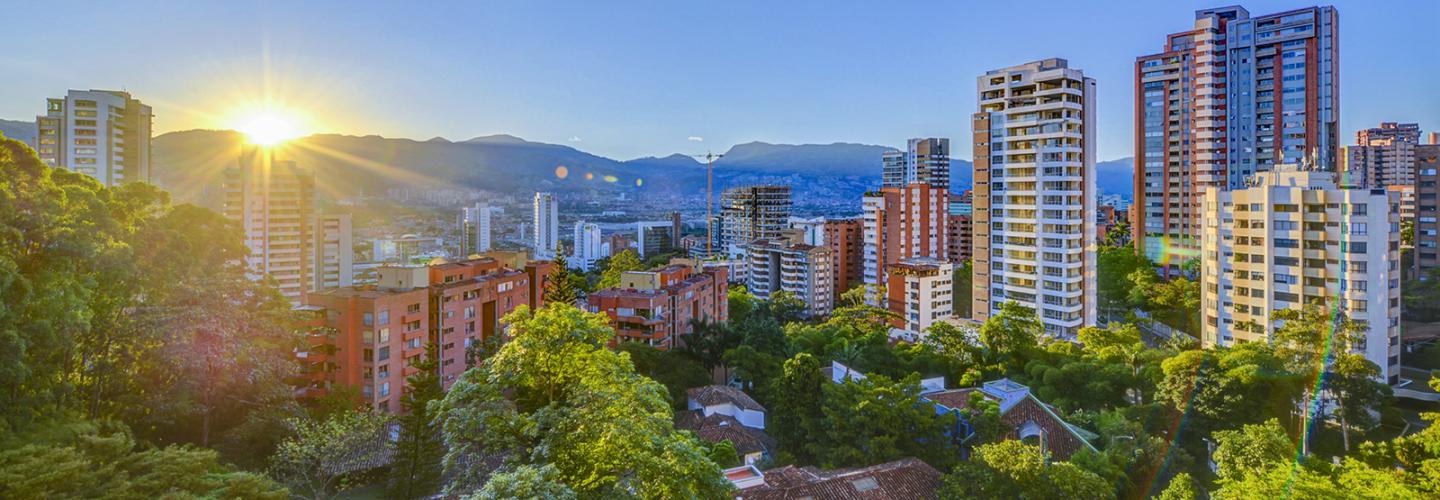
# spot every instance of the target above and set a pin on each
(904, 478)
(721, 394)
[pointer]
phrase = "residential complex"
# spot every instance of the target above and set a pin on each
(372, 337)
(1034, 206)
(925, 161)
(1294, 238)
(475, 230)
(333, 252)
(1381, 157)
(547, 226)
(1232, 96)
(657, 307)
(274, 203)
(752, 212)
(920, 291)
(803, 270)
(589, 246)
(1427, 208)
(104, 134)
(902, 223)
(846, 241)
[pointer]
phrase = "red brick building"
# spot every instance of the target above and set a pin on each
(372, 337)
(960, 231)
(846, 240)
(656, 307)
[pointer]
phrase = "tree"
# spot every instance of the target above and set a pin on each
(555, 395)
(316, 460)
(1013, 469)
(796, 409)
(620, 263)
(106, 463)
(1113, 284)
(876, 420)
(675, 370)
(1182, 487)
(963, 284)
(561, 288)
(1251, 449)
(1010, 335)
(723, 454)
(1354, 383)
(785, 307)
(525, 481)
(418, 453)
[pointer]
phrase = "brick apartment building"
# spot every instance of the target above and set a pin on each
(656, 307)
(846, 240)
(372, 337)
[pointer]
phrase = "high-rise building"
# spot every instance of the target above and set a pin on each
(803, 270)
(274, 203)
(658, 307)
(104, 134)
(921, 292)
(475, 231)
(925, 160)
(1381, 157)
(547, 226)
(334, 252)
(589, 246)
(677, 229)
(1291, 239)
(1233, 96)
(846, 240)
(751, 213)
(812, 229)
(902, 223)
(1034, 220)
(653, 238)
(960, 237)
(1427, 209)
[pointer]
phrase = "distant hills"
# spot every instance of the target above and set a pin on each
(16, 129)
(190, 163)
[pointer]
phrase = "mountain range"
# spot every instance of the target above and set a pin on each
(189, 164)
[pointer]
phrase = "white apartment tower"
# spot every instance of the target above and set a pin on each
(274, 203)
(101, 133)
(1293, 238)
(547, 225)
(1034, 205)
(334, 252)
(475, 229)
(806, 271)
(588, 246)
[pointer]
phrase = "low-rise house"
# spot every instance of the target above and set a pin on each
(1028, 418)
(718, 413)
(905, 478)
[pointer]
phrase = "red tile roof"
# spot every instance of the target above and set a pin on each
(907, 478)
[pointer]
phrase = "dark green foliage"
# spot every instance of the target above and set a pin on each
(418, 453)
(675, 370)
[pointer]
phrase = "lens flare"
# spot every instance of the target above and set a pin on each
(562, 172)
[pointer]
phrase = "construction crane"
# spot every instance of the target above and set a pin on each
(709, 200)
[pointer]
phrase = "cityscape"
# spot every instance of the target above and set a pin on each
(1216, 288)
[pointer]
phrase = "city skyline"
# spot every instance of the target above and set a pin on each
(650, 81)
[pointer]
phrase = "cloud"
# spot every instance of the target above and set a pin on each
(576, 138)
(696, 138)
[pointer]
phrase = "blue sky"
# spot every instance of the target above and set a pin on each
(635, 78)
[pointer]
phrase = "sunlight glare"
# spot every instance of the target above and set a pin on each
(269, 128)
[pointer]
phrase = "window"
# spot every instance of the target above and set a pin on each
(413, 308)
(384, 335)
(385, 317)
(384, 354)
(384, 389)
(368, 319)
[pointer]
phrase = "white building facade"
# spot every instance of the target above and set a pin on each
(1035, 194)
(1293, 238)
(546, 216)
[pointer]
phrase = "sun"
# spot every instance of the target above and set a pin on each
(269, 128)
